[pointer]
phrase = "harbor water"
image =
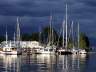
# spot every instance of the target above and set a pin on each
(48, 63)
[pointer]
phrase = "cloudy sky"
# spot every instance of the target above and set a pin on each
(34, 14)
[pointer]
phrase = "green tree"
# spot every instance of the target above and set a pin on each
(84, 41)
(35, 36)
(46, 35)
(70, 43)
(26, 37)
(2, 38)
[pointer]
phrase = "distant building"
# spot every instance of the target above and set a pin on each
(23, 44)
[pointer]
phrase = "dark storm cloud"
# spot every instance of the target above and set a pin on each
(43, 7)
(35, 13)
(89, 2)
(28, 7)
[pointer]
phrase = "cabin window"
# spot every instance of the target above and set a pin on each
(50, 49)
(45, 49)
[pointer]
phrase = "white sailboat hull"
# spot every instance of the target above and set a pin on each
(82, 51)
(74, 51)
(64, 51)
(45, 51)
(11, 52)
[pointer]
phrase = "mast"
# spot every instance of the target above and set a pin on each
(6, 37)
(14, 37)
(50, 30)
(52, 36)
(78, 35)
(40, 35)
(10, 43)
(18, 34)
(66, 28)
(18, 30)
(63, 31)
(72, 34)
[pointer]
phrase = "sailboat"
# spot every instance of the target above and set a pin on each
(78, 50)
(81, 51)
(74, 49)
(8, 49)
(48, 49)
(18, 48)
(64, 49)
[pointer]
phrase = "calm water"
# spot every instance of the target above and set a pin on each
(48, 63)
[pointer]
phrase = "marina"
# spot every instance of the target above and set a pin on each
(47, 36)
(17, 46)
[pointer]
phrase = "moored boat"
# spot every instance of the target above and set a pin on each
(46, 50)
(74, 51)
(8, 49)
(82, 51)
(64, 51)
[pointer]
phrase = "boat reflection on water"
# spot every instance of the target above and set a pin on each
(78, 62)
(11, 63)
(45, 58)
(46, 62)
(60, 63)
(42, 63)
(71, 63)
(63, 63)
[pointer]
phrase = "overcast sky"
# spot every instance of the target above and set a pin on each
(34, 14)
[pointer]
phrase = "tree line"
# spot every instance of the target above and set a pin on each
(55, 38)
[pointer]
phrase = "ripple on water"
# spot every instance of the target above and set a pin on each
(48, 63)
